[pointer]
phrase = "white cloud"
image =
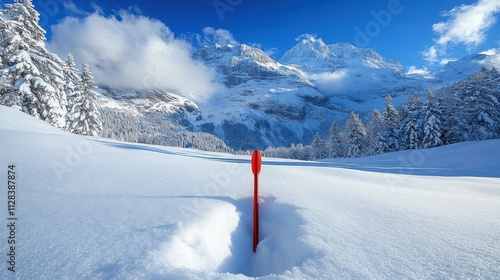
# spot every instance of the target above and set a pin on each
(97, 9)
(339, 82)
(216, 36)
(342, 81)
(445, 61)
(424, 72)
(330, 77)
(307, 37)
(271, 51)
(331, 82)
(131, 51)
(495, 61)
(431, 54)
(490, 52)
(493, 58)
(466, 24)
(71, 8)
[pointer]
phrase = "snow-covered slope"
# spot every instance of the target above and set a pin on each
(91, 208)
(12, 119)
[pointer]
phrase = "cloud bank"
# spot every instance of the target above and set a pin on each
(424, 72)
(216, 36)
(466, 24)
(342, 81)
(133, 51)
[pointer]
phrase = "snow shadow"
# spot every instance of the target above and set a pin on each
(133, 146)
(280, 245)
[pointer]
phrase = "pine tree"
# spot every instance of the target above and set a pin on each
(432, 127)
(411, 123)
(452, 109)
(73, 91)
(84, 114)
(376, 131)
(334, 142)
(318, 148)
(356, 135)
(482, 106)
(71, 76)
(391, 118)
(32, 76)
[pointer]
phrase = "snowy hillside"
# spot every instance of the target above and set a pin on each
(91, 208)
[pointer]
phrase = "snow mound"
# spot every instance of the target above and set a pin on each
(200, 244)
(12, 119)
(281, 246)
(221, 240)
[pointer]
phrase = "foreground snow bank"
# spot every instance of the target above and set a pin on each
(100, 209)
(201, 244)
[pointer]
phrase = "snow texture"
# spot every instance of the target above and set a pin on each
(92, 208)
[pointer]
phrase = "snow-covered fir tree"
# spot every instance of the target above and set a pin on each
(71, 76)
(471, 109)
(391, 118)
(482, 106)
(412, 123)
(432, 123)
(356, 136)
(318, 148)
(84, 116)
(376, 132)
(32, 76)
(334, 142)
(452, 112)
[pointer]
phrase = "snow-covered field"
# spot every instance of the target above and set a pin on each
(91, 208)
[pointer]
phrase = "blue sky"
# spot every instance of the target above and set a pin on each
(144, 44)
(274, 25)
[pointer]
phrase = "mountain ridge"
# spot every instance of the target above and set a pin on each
(268, 102)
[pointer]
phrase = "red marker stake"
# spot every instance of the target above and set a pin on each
(256, 164)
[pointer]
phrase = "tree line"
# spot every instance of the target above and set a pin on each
(465, 111)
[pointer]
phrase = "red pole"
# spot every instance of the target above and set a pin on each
(256, 165)
(255, 212)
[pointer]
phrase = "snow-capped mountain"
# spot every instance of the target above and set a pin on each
(314, 56)
(276, 103)
(460, 69)
(358, 76)
(265, 102)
